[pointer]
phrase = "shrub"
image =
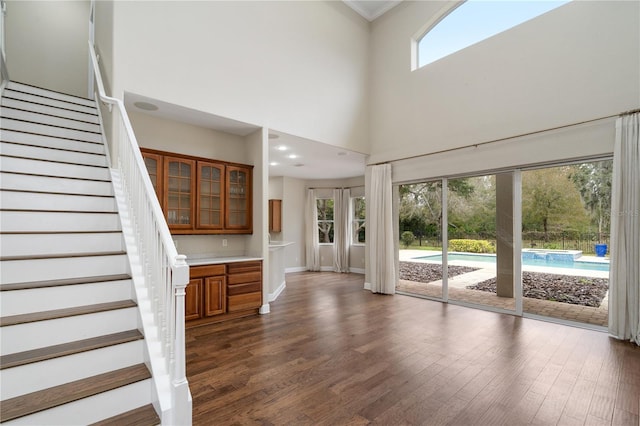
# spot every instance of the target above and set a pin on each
(407, 238)
(471, 246)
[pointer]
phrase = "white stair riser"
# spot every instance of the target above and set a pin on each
(40, 334)
(17, 302)
(14, 200)
(43, 129)
(49, 120)
(48, 101)
(18, 271)
(16, 221)
(51, 142)
(92, 409)
(50, 94)
(54, 372)
(47, 168)
(60, 185)
(49, 154)
(49, 110)
(58, 244)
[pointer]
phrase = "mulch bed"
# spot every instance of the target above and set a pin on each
(583, 291)
(428, 272)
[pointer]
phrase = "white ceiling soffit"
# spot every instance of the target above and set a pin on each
(187, 115)
(371, 9)
(313, 160)
(300, 158)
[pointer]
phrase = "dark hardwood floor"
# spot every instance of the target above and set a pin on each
(331, 353)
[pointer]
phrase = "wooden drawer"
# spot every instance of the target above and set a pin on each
(244, 288)
(242, 267)
(244, 278)
(206, 271)
(241, 302)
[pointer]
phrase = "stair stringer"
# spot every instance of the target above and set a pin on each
(153, 356)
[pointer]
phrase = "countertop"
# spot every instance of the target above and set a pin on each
(198, 260)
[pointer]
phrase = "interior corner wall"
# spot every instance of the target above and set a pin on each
(576, 63)
(47, 44)
(300, 67)
(293, 221)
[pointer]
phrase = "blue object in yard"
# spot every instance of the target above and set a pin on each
(601, 250)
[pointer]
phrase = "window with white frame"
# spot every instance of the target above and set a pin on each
(474, 21)
(325, 220)
(358, 231)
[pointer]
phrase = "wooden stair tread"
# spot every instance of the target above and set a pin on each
(64, 255)
(16, 87)
(67, 281)
(52, 397)
(142, 416)
(56, 351)
(67, 312)
(71, 163)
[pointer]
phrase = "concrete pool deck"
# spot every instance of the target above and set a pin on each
(458, 291)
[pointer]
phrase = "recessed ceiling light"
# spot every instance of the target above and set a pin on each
(273, 136)
(281, 148)
(292, 156)
(146, 106)
(273, 163)
(341, 153)
(298, 165)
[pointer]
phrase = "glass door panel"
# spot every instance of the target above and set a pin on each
(179, 192)
(480, 241)
(210, 201)
(566, 212)
(238, 191)
(420, 254)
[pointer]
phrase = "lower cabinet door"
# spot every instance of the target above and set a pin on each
(193, 300)
(215, 297)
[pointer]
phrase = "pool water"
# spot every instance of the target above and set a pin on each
(491, 258)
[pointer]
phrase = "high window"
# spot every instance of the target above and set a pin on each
(474, 21)
(358, 220)
(325, 220)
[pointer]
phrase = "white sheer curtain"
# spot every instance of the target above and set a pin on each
(380, 235)
(624, 275)
(312, 241)
(341, 240)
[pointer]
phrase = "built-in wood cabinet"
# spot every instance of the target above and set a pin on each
(223, 291)
(201, 196)
(275, 215)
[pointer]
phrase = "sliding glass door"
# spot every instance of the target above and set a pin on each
(566, 212)
(421, 239)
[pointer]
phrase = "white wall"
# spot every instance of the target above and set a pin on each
(576, 63)
(300, 67)
(47, 44)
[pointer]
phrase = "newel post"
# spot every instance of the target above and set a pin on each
(181, 395)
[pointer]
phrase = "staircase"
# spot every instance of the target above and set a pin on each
(71, 350)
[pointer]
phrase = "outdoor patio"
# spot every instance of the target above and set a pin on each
(458, 292)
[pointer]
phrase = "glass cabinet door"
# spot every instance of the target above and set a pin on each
(154, 167)
(179, 190)
(238, 209)
(210, 203)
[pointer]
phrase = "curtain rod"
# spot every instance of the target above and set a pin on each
(476, 145)
(633, 111)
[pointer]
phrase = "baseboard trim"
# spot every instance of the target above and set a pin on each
(295, 269)
(367, 286)
(264, 309)
(356, 270)
(326, 269)
(273, 296)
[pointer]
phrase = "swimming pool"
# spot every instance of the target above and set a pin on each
(551, 263)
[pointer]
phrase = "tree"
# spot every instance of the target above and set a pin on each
(550, 202)
(593, 181)
(325, 219)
